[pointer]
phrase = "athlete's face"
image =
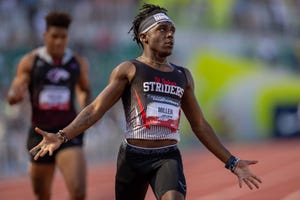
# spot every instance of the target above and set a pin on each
(160, 38)
(56, 40)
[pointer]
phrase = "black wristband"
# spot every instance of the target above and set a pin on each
(231, 163)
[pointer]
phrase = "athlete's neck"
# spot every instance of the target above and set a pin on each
(151, 61)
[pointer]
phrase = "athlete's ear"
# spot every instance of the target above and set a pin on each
(143, 38)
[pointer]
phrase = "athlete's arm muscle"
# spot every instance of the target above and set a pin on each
(119, 78)
(83, 90)
(198, 123)
(21, 80)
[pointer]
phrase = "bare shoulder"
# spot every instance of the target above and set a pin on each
(189, 76)
(126, 65)
(83, 61)
(125, 68)
(26, 61)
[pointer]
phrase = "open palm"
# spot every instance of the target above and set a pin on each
(50, 143)
(245, 175)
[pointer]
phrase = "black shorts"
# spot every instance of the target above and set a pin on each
(137, 168)
(34, 138)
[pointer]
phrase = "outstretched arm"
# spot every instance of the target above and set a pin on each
(207, 136)
(119, 78)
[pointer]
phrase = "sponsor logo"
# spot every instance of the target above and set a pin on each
(160, 16)
(56, 75)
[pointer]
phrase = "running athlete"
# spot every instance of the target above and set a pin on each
(54, 75)
(153, 92)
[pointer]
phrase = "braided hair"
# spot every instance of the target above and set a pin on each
(146, 11)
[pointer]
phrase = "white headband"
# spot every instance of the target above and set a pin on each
(153, 20)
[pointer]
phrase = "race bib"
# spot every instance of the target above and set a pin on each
(163, 114)
(54, 98)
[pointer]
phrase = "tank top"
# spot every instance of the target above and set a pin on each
(152, 102)
(52, 88)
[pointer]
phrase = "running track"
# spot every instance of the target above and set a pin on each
(278, 167)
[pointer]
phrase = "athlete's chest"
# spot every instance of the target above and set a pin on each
(46, 73)
(160, 83)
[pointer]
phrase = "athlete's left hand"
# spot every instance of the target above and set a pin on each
(245, 175)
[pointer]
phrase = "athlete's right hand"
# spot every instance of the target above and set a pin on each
(16, 94)
(50, 143)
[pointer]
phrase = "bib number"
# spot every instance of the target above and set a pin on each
(163, 114)
(54, 98)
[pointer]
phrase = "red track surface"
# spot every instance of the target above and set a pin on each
(278, 167)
